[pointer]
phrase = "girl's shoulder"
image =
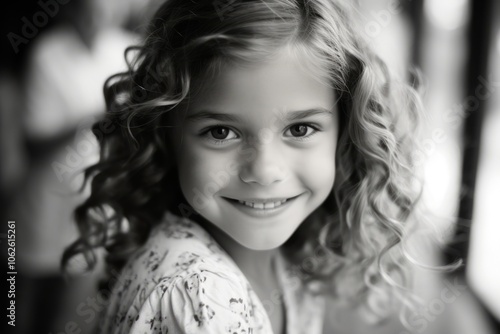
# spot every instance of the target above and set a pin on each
(177, 248)
(181, 279)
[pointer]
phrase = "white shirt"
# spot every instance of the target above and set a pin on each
(182, 281)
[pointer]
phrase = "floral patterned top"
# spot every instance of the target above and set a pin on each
(182, 281)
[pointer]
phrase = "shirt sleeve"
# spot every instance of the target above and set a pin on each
(201, 302)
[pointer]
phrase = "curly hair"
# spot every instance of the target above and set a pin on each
(355, 240)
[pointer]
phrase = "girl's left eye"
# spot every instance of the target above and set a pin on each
(219, 134)
(301, 131)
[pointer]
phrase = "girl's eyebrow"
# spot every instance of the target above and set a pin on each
(284, 115)
(208, 114)
(301, 114)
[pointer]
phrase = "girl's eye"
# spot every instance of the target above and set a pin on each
(301, 131)
(219, 134)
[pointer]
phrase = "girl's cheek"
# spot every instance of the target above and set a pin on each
(317, 165)
(205, 164)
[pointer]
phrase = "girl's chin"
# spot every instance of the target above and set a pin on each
(263, 239)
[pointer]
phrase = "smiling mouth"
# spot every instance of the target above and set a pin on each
(262, 204)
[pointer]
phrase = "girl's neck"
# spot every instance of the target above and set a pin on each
(257, 266)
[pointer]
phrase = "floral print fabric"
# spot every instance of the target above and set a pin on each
(182, 281)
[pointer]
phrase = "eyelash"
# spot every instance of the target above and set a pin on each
(305, 138)
(206, 133)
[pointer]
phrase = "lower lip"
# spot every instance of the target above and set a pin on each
(259, 213)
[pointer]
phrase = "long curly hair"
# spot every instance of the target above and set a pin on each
(355, 241)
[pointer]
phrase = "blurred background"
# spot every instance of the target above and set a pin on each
(56, 55)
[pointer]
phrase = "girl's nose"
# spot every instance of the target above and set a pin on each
(265, 167)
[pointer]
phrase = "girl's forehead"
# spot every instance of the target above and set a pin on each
(288, 81)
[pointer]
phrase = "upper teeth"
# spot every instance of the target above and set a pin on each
(270, 205)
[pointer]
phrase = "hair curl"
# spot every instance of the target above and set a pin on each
(359, 231)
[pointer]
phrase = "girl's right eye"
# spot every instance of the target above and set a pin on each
(219, 134)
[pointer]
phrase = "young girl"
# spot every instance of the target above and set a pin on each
(257, 159)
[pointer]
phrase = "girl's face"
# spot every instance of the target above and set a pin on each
(256, 150)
